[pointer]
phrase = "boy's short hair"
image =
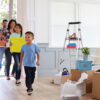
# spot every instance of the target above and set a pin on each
(30, 33)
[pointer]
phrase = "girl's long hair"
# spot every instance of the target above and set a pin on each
(20, 26)
(12, 20)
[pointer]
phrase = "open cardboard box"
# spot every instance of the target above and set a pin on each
(72, 88)
(76, 74)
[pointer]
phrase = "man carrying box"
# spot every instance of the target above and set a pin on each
(3, 39)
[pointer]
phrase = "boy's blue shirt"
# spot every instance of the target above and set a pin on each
(30, 52)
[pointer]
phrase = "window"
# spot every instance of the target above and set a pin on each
(4, 14)
(62, 12)
(4, 10)
(89, 15)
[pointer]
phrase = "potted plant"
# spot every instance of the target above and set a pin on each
(86, 52)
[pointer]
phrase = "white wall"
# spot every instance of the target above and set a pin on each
(33, 15)
(42, 20)
(21, 13)
(48, 19)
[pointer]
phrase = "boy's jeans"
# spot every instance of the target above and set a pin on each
(2, 50)
(30, 76)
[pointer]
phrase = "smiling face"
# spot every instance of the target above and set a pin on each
(5, 23)
(29, 38)
(12, 25)
(17, 29)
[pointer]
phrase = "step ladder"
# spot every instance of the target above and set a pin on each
(75, 37)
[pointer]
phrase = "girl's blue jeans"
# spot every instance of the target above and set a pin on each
(18, 69)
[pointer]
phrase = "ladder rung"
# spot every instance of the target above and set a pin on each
(74, 22)
(74, 39)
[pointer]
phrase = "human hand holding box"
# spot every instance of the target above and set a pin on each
(3, 42)
(17, 43)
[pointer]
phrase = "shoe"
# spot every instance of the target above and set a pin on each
(29, 91)
(32, 89)
(13, 75)
(18, 83)
(8, 78)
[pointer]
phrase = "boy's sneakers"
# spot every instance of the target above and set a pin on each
(32, 89)
(18, 83)
(29, 91)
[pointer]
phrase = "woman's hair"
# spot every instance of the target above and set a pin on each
(20, 26)
(12, 20)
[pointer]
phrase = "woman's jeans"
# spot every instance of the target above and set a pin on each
(2, 50)
(18, 69)
(8, 56)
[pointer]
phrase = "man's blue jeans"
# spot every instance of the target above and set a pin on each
(2, 50)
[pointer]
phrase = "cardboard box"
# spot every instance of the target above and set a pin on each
(65, 78)
(96, 85)
(2, 43)
(88, 87)
(76, 74)
(72, 88)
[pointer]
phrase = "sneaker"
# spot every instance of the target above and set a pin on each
(29, 91)
(31, 88)
(8, 78)
(18, 83)
(13, 75)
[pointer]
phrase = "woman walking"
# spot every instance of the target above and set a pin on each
(8, 55)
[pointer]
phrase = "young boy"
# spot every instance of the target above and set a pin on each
(28, 57)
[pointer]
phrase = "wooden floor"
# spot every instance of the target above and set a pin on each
(43, 90)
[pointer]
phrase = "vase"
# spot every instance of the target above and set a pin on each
(85, 57)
